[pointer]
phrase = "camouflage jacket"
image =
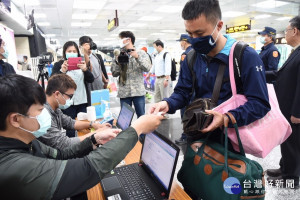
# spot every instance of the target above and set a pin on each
(134, 85)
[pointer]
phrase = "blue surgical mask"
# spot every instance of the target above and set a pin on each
(6, 53)
(44, 120)
(71, 55)
(68, 103)
(204, 44)
(262, 40)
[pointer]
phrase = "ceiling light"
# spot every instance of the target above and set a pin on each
(270, 4)
(157, 34)
(39, 15)
(141, 38)
(32, 2)
(84, 16)
(133, 25)
(169, 31)
(50, 35)
(89, 4)
(92, 34)
(43, 23)
(109, 39)
(150, 18)
(114, 35)
(81, 24)
(232, 14)
(283, 18)
(262, 16)
(169, 9)
(73, 39)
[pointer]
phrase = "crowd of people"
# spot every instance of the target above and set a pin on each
(44, 159)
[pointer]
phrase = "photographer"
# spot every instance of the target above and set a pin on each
(96, 62)
(81, 77)
(129, 66)
(5, 68)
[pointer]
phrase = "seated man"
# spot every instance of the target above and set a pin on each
(59, 92)
(30, 169)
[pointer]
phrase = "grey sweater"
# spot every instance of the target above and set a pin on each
(56, 135)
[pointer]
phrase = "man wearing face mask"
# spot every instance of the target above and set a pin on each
(5, 68)
(59, 93)
(269, 53)
(130, 73)
(30, 169)
(202, 20)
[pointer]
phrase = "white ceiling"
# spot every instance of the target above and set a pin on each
(168, 25)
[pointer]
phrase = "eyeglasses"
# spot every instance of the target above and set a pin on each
(287, 29)
(69, 95)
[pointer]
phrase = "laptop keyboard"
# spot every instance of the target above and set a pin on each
(133, 184)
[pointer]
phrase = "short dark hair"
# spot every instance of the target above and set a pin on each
(67, 45)
(210, 8)
(60, 82)
(159, 43)
(25, 57)
(127, 34)
(85, 39)
(18, 93)
(295, 22)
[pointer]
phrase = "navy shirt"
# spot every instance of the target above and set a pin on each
(185, 53)
(270, 57)
(252, 75)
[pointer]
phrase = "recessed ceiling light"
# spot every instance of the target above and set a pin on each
(233, 14)
(89, 4)
(74, 39)
(283, 18)
(81, 24)
(43, 23)
(169, 9)
(150, 18)
(270, 4)
(133, 25)
(141, 38)
(262, 16)
(39, 15)
(169, 31)
(92, 34)
(50, 35)
(114, 35)
(109, 38)
(157, 34)
(32, 2)
(84, 16)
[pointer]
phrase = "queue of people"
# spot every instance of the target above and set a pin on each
(43, 161)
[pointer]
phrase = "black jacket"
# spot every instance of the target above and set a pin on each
(6, 68)
(88, 78)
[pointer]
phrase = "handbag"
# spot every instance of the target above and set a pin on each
(261, 136)
(212, 172)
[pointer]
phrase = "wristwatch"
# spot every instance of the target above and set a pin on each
(94, 139)
(91, 124)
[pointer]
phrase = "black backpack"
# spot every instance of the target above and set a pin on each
(237, 63)
(173, 69)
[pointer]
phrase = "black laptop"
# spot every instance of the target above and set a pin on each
(151, 178)
(125, 117)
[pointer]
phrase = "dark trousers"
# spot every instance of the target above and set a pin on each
(290, 153)
(139, 104)
(72, 111)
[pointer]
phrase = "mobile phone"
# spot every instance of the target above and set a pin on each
(73, 62)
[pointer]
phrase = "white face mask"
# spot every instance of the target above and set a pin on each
(122, 42)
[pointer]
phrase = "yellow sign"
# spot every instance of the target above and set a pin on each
(112, 24)
(240, 28)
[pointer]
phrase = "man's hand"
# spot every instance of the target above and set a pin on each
(295, 120)
(148, 76)
(104, 136)
(159, 107)
(147, 123)
(217, 122)
(98, 126)
(134, 54)
(166, 82)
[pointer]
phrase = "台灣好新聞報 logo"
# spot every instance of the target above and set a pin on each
(232, 186)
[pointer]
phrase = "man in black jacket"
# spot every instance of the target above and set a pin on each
(5, 68)
(31, 170)
(287, 87)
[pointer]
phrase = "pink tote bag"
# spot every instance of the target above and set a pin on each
(261, 136)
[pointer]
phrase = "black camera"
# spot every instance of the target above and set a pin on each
(123, 58)
(93, 45)
(45, 58)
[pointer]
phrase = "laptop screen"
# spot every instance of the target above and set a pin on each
(125, 117)
(159, 157)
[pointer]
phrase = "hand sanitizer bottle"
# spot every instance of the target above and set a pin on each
(107, 115)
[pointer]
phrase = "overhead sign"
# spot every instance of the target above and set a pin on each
(114, 23)
(281, 40)
(240, 28)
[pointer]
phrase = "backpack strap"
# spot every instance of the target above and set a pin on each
(237, 63)
(218, 84)
(164, 56)
(191, 59)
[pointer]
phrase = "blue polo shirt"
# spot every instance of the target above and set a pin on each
(270, 57)
(252, 75)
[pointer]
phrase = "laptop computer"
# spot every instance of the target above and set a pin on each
(125, 117)
(151, 178)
